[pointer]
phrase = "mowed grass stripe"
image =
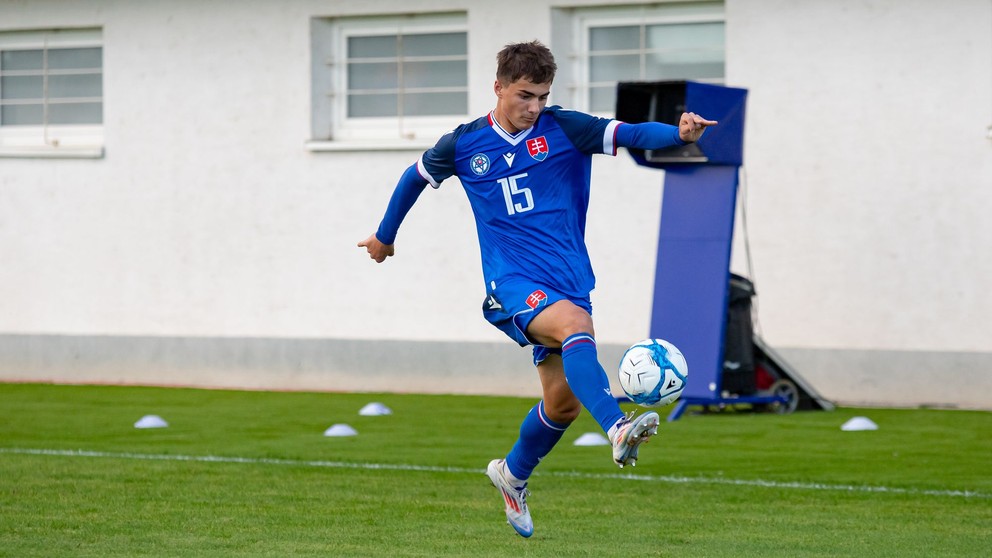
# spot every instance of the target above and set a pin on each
(462, 470)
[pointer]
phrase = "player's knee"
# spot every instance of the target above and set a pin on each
(576, 321)
(558, 322)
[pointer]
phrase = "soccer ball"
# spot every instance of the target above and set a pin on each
(653, 373)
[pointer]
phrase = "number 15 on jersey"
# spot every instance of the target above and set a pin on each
(510, 189)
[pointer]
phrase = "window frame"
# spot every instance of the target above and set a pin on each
(572, 27)
(54, 140)
(345, 132)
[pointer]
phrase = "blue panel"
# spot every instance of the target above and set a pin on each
(693, 269)
(723, 144)
(699, 202)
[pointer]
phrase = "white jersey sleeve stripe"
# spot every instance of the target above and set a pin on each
(426, 175)
(609, 138)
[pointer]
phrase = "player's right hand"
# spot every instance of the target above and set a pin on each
(377, 250)
(692, 126)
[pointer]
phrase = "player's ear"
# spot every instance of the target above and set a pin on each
(498, 88)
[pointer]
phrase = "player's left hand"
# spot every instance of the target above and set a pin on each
(692, 126)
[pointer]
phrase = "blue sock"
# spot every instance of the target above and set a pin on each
(538, 434)
(588, 380)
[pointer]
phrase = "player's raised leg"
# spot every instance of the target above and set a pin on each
(571, 326)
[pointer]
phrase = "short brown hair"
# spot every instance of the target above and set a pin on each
(532, 60)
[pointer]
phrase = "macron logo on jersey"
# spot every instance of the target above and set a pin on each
(538, 148)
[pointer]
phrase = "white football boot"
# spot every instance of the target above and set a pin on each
(630, 434)
(517, 514)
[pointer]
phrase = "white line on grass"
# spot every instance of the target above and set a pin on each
(433, 469)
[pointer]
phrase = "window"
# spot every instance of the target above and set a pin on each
(651, 43)
(386, 80)
(51, 92)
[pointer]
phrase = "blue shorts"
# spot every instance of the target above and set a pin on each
(512, 304)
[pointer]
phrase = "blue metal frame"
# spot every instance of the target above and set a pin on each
(692, 273)
(692, 277)
(683, 403)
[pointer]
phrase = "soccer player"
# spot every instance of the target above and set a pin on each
(526, 169)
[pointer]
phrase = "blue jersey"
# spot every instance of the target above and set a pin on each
(529, 192)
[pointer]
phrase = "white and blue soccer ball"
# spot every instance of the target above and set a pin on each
(653, 373)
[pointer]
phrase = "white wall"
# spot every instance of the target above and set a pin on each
(869, 166)
(868, 173)
(870, 170)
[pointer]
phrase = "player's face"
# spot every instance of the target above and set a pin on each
(518, 104)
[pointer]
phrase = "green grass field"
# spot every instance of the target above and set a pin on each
(251, 474)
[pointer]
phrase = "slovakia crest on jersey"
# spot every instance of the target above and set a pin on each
(538, 148)
(537, 298)
(479, 164)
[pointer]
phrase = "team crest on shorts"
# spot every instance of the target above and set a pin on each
(479, 164)
(537, 298)
(538, 148)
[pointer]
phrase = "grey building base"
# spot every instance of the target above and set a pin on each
(845, 377)
(954, 380)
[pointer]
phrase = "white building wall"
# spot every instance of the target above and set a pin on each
(868, 169)
(870, 166)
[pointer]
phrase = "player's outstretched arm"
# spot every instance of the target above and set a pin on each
(380, 244)
(692, 126)
(657, 135)
(376, 249)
